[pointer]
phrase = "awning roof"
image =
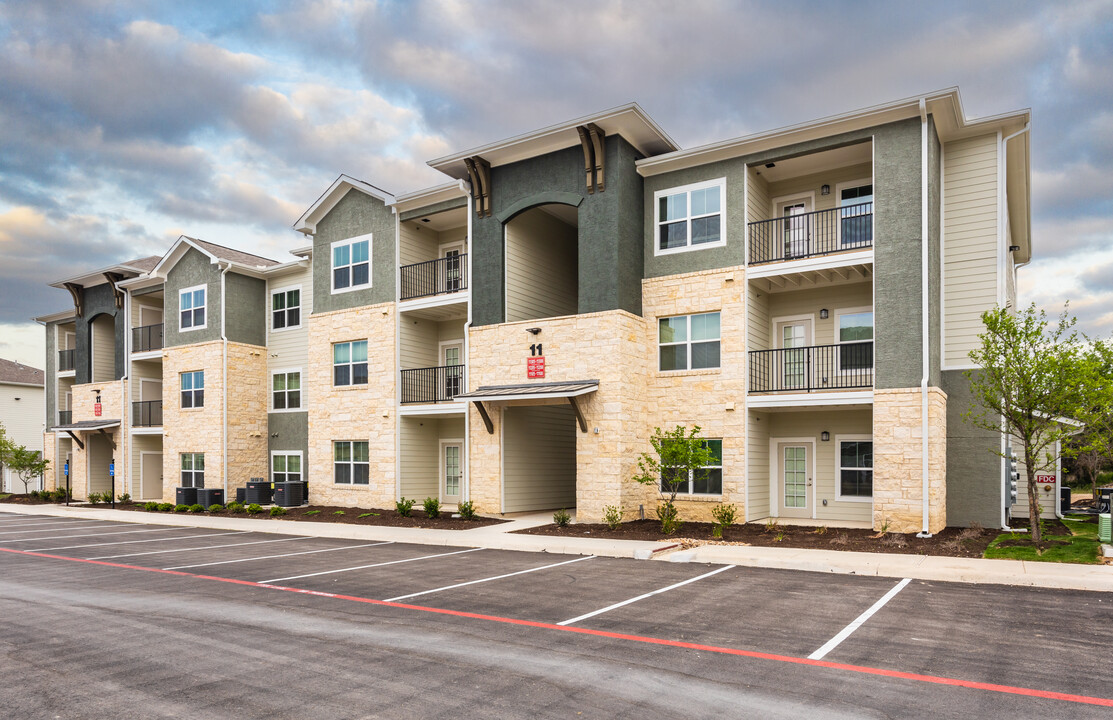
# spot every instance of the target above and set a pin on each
(532, 391)
(89, 425)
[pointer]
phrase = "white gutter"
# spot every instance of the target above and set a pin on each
(925, 335)
(125, 396)
(224, 377)
(469, 247)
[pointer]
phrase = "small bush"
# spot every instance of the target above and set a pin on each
(234, 507)
(216, 508)
(724, 518)
(612, 515)
(58, 495)
(151, 506)
(432, 507)
(166, 507)
(779, 536)
(34, 494)
(365, 514)
(669, 517)
(93, 498)
(771, 525)
(124, 497)
(277, 510)
(404, 507)
(254, 509)
(314, 512)
(467, 510)
(197, 508)
(181, 508)
(338, 512)
(561, 518)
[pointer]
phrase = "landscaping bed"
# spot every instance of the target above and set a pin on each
(350, 516)
(1073, 540)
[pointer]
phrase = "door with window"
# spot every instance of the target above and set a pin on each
(452, 471)
(452, 360)
(796, 227)
(856, 216)
(453, 263)
(794, 338)
(795, 478)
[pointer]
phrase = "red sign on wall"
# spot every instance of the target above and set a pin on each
(96, 409)
(535, 367)
(1045, 479)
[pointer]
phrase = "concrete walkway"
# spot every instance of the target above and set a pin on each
(501, 537)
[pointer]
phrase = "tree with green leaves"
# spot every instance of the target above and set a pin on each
(679, 456)
(1032, 374)
(27, 464)
(1092, 448)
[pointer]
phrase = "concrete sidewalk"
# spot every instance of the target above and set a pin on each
(501, 537)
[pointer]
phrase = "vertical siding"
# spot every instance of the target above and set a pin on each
(539, 458)
(969, 243)
(541, 267)
(757, 465)
(104, 349)
(289, 349)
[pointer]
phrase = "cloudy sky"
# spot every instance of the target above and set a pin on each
(124, 124)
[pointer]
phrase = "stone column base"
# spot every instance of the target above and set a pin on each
(898, 460)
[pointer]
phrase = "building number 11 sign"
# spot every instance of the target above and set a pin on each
(535, 363)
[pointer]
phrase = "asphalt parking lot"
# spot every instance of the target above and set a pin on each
(106, 619)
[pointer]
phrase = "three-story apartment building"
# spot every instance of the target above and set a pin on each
(807, 296)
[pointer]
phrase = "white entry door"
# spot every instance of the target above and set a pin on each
(452, 360)
(797, 229)
(150, 476)
(452, 471)
(793, 337)
(795, 478)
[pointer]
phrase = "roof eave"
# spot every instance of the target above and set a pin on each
(307, 223)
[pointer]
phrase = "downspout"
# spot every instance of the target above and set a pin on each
(224, 376)
(465, 492)
(125, 396)
(925, 335)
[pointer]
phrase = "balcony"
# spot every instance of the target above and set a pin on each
(432, 384)
(444, 276)
(146, 413)
(812, 234)
(66, 360)
(65, 417)
(816, 368)
(146, 338)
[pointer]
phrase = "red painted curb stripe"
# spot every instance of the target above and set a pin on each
(934, 679)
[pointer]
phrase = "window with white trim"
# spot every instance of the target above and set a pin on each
(286, 390)
(286, 308)
(689, 217)
(191, 308)
(350, 465)
(855, 469)
(193, 470)
(351, 263)
(349, 363)
(708, 480)
(286, 467)
(688, 342)
(855, 339)
(193, 389)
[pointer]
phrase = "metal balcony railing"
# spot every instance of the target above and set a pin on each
(432, 384)
(66, 359)
(814, 368)
(65, 417)
(849, 227)
(146, 413)
(435, 277)
(146, 338)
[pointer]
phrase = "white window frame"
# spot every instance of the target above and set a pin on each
(288, 454)
(192, 479)
(839, 440)
(839, 187)
(271, 310)
(301, 391)
(351, 464)
(837, 314)
(688, 342)
(350, 364)
(691, 478)
(370, 264)
(193, 289)
(721, 183)
(191, 390)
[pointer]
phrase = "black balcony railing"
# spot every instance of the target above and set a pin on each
(849, 227)
(146, 413)
(809, 369)
(432, 384)
(146, 338)
(435, 277)
(65, 417)
(65, 359)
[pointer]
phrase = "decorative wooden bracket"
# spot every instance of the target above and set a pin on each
(76, 439)
(78, 293)
(589, 163)
(117, 293)
(486, 418)
(579, 414)
(107, 435)
(479, 171)
(592, 140)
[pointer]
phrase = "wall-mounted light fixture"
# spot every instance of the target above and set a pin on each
(1013, 248)
(825, 190)
(533, 331)
(823, 314)
(770, 165)
(825, 436)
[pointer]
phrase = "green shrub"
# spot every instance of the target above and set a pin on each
(432, 507)
(124, 497)
(315, 512)
(181, 508)
(93, 498)
(197, 508)
(166, 507)
(254, 509)
(612, 515)
(338, 512)
(234, 507)
(365, 514)
(216, 507)
(34, 494)
(467, 510)
(151, 506)
(277, 510)
(404, 506)
(669, 517)
(561, 518)
(58, 495)
(724, 518)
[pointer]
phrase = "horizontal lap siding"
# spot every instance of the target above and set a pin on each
(541, 272)
(419, 451)
(289, 349)
(539, 458)
(757, 466)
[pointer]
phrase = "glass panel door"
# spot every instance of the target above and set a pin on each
(452, 360)
(795, 356)
(795, 471)
(795, 229)
(452, 473)
(453, 270)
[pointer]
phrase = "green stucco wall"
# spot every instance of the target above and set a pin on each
(98, 300)
(289, 431)
(974, 479)
(356, 214)
(247, 309)
(194, 268)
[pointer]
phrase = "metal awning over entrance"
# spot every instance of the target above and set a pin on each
(89, 426)
(530, 391)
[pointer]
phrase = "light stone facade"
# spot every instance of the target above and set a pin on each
(359, 412)
(192, 430)
(898, 460)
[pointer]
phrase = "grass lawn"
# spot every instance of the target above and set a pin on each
(5, 496)
(1081, 547)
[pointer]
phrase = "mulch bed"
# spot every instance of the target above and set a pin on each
(351, 516)
(27, 500)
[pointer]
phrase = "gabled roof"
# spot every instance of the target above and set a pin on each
(130, 268)
(13, 373)
(307, 223)
(243, 262)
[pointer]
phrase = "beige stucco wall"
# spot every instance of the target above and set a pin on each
(898, 455)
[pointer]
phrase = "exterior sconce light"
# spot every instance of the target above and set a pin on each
(823, 314)
(825, 190)
(533, 331)
(825, 436)
(1013, 248)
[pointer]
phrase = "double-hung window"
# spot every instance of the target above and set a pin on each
(193, 389)
(193, 470)
(286, 467)
(689, 217)
(349, 363)
(855, 469)
(351, 263)
(688, 342)
(191, 306)
(286, 390)
(856, 215)
(855, 340)
(350, 463)
(707, 480)
(285, 309)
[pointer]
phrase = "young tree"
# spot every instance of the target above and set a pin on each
(1092, 449)
(27, 464)
(678, 456)
(1032, 374)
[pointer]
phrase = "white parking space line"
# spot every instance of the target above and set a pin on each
(129, 542)
(483, 580)
(71, 527)
(624, 603)
(205, 547)
(849, 629)
(364, 567)
(39, 524)
(271, 557)
(67, 537)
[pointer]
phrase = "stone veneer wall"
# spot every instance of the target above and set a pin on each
(112, 408)
(248, 386)
(360, 412)
(192, 430)
(898, 454)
